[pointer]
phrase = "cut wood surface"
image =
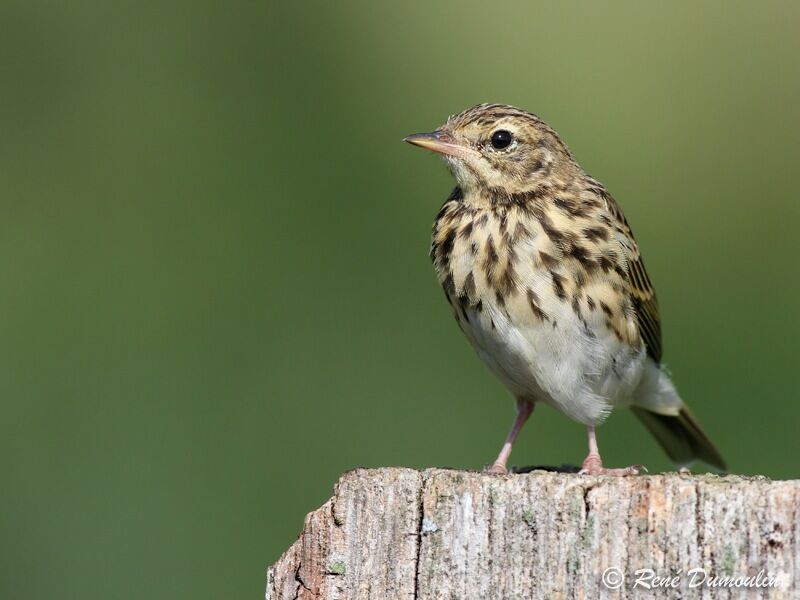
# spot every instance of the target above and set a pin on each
(398, 533)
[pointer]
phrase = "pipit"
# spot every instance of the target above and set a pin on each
(548, 285)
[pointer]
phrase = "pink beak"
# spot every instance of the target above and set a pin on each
(439, 141)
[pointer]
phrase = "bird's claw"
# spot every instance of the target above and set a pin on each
(593, 466)
(495, 469)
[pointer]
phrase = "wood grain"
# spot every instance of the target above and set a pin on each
(403, 534)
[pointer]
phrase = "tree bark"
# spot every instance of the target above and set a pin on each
(405, 534)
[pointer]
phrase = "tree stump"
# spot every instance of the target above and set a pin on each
(442, 534)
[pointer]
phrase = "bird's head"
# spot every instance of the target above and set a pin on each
(499, 150)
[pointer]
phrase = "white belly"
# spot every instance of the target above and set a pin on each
(582, 375)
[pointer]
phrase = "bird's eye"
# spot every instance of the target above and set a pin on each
(501, 139)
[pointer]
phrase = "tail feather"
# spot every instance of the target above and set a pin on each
(681, 437)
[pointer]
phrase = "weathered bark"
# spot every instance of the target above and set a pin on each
(405, 534)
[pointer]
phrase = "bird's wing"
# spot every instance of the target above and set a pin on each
(639, 285)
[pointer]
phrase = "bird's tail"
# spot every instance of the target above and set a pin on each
(671, 422)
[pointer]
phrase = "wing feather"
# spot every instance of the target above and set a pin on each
(639, 285)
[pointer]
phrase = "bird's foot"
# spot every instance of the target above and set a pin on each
(594, 466)
(495, 469)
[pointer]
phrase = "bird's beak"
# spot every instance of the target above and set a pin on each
(439, 141)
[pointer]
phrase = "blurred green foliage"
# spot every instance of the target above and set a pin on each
(216, 295)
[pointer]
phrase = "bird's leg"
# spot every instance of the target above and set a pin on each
(593, 465)
(524, 410)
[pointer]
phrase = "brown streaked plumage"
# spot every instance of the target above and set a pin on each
(547, 282)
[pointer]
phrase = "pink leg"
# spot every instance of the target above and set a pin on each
(524, 410)
(593, 465)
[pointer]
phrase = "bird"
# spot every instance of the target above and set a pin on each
(547, 283)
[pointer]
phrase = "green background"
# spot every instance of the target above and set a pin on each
(216, 295)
